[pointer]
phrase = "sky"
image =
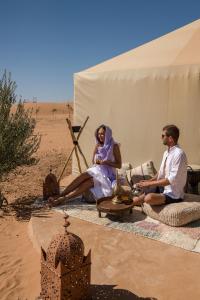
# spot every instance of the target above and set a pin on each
(44, 42)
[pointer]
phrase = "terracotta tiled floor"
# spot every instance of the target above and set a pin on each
(141, 266)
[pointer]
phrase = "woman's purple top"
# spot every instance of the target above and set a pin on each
(105, 152)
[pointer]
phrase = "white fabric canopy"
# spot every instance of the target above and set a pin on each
(140, 91)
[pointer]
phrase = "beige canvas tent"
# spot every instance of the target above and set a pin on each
(139, 92)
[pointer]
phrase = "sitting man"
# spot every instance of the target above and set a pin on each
(168, 185)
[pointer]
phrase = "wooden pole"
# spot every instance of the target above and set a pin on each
(76, 143)
(78, 160)
(70, 155)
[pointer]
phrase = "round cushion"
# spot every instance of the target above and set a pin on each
(176, 214)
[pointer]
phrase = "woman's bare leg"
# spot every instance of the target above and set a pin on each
(76, 183)
(86, 185)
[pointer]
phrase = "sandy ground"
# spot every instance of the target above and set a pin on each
(19, 262)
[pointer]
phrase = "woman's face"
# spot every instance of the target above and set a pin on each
(101, 135)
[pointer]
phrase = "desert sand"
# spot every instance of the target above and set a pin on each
(19, 262)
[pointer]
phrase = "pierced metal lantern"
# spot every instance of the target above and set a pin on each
(65, 271)
(50, 186)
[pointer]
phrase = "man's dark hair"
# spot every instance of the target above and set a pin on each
(173, 131)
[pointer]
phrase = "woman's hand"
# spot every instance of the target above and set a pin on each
(105, 162)
(102, 162)
(98, 162)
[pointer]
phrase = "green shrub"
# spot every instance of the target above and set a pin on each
(17, 139)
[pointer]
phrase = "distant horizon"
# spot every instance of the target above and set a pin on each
(46, 101)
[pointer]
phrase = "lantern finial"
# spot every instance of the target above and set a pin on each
(67, 223)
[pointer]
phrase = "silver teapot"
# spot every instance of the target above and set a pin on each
(136, 191)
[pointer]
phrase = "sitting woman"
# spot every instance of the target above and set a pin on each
(101, 177)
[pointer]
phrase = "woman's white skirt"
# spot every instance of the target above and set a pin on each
(103, 187)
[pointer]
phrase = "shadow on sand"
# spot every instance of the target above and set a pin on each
(109, 292)
(24, 208)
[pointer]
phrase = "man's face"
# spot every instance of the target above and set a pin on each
(165, 138)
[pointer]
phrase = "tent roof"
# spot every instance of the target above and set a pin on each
(179, 47)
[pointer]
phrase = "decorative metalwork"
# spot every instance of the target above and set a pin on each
(50, 186)
(65, 271)
(122, 193)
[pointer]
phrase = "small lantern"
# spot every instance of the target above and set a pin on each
(65, 271)
(50, 186)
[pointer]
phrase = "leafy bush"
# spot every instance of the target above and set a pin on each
(17, 139)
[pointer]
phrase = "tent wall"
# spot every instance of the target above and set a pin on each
(136, 104)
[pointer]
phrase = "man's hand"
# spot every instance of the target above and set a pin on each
(152, 183)
(144, 183)
(144, 180)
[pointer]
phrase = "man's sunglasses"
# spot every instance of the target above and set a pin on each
(163, 135)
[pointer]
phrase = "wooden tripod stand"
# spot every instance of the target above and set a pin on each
(76, 148)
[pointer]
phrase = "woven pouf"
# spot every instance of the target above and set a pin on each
(176, 214)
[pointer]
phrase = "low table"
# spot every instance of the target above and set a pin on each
(106, 205)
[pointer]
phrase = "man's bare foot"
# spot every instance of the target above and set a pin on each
(138, 200)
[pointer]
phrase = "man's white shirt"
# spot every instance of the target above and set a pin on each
(174, 168)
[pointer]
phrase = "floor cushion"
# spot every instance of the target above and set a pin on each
(175, 214)
(145, 171)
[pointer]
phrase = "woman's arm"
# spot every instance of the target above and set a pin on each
(117, 163)
(95, 151)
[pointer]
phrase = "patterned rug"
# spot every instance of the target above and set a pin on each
(186, 237)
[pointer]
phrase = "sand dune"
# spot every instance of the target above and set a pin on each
(49, 108)
(19, 262)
